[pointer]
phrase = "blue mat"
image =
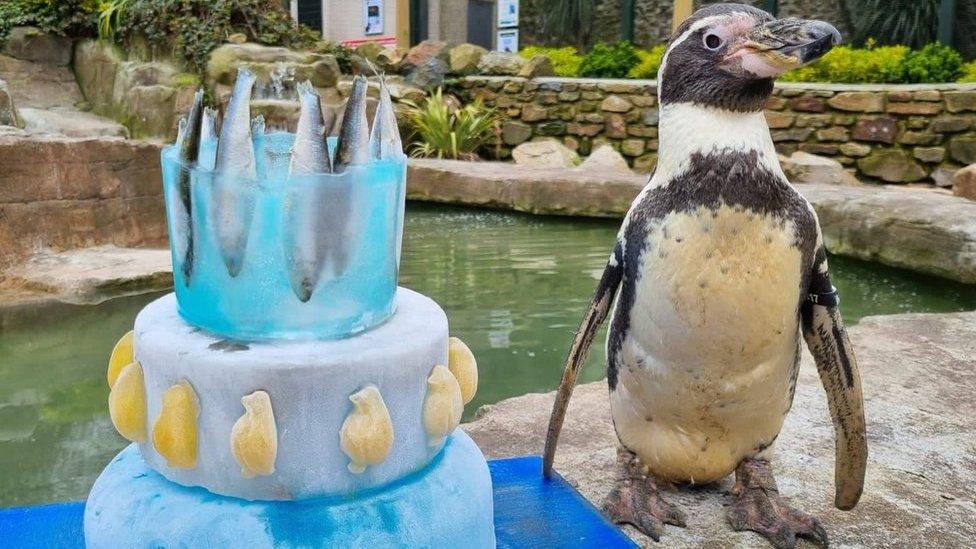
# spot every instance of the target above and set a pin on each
(530, 511)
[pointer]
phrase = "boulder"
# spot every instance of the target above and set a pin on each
(31, 44)
(918, 371)
(857, 101)
(615, 103)
(263, 60)
(93, 275)
(892, 165)
(429, 75)
(237, 38)
(95, 64)
(964, 182)
(803, 167)
(942, 177)
(501, 63)
(428, 49)
(605, 159)
(465, 58)
(8, 111)
(515, 132)
(538, 66)
(325, 72)
(390, 58)
(71, 123)
(150, 110)
(545, 154)
(963, 149)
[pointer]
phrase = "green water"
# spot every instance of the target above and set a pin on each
(513, 287)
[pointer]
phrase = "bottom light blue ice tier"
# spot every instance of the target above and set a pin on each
(447, 504)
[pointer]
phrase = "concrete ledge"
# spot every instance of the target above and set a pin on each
(923, 230)
(62, 193)
(919, 375)
(87, 276)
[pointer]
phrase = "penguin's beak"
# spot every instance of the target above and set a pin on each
(773, 48)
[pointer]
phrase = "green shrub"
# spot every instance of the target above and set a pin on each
(933, 63)
(443, 130)
(191, 29)
(342, 53)
(650, 62)
(844, 64)
(565, 61)
(61, 17)
(609, 60)
(968, 72)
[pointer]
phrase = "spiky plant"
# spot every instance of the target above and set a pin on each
(444, 130)
(911, 23)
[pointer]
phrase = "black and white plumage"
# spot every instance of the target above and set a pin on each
(717, 265)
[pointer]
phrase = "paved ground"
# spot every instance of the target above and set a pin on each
(919, 378)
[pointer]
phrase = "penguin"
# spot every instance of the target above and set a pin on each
(718, 270)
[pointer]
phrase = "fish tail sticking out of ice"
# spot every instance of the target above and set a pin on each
(188, 142)
(353, 147)
(306, 235)
(384, 138)
(310, 153)
(233, 202)
(208, 131)
(257, 125)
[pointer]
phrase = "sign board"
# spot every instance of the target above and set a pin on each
(508, 13)
(373, 17)
(507, 40)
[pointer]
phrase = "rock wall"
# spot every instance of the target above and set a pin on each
(61, 193)
(147, 96)
(889, 133)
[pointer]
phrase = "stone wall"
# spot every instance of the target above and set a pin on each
(62, 193)
(891, 133)
(147, 96)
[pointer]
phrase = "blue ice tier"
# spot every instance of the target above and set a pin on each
(280, 256)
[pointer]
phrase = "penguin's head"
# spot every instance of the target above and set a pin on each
(727, 55)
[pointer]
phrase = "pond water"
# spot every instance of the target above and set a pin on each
(514, 287)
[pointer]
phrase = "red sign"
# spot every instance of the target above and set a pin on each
(381, 40)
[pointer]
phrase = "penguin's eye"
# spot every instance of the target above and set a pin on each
(713, 41)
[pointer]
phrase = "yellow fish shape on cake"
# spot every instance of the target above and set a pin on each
(122, 356)
(464, 367)
(366, 435)
(175, 431)
(127, 403)
(254, 437)
(443, 406)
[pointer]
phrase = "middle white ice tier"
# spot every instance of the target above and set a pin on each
(309, 384)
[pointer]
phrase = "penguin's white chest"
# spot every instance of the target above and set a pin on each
(705, 369)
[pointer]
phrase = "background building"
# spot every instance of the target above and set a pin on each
(404, 22)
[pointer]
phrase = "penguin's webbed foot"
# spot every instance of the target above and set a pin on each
(759, 507)
(635, 500)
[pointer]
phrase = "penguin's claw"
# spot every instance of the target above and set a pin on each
(759, 507)
(635, 500)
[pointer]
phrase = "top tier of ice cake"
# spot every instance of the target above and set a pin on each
(280, 235)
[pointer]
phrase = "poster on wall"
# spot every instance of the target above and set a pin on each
(508, 11)
(507, 40)
(373, 14)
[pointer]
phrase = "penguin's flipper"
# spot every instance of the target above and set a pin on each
(594, 316)
(827, 339)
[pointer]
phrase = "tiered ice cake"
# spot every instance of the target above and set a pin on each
(289, 394)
